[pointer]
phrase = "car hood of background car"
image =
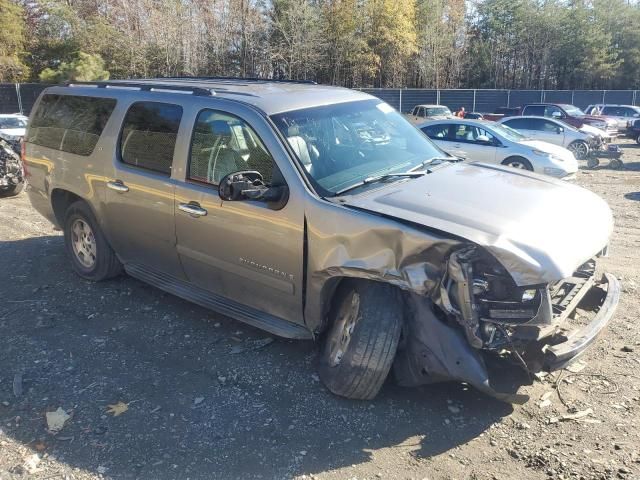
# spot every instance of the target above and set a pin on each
(555, 150)
(540, 229)
(14, 132)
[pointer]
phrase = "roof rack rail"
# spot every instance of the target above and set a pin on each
(246, 79)
(146, 86)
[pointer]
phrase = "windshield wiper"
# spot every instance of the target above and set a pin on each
(379, 178)
(432, 160)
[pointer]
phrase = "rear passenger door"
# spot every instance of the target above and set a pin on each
(245, 252)
(140, 192)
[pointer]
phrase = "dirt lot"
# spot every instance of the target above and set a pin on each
(208, 397)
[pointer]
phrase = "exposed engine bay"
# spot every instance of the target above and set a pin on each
(479, 312)
(11, 171)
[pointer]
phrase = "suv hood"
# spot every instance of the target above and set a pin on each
(538, 228)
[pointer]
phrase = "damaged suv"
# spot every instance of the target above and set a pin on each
(317, 212)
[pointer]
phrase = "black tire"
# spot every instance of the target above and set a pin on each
(12, 191)
(518, 162)
(638, 139)
(377, 313)
(616, 164)
(592, 162)
(106, 264)
(579, 149)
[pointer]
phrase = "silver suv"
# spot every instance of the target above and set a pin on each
(316, 212)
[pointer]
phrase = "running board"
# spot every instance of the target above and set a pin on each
(219, 304)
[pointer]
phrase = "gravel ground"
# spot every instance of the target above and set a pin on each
(198, 395)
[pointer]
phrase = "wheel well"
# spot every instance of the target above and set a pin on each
(60, 201)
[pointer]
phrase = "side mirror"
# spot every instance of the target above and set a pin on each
(559, 130)
(249, 185)
(483, 139)
(556, 115)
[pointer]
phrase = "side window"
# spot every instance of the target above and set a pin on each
(535, 124)
(68, 123)
(223, 144)
(534, 110)
(517, 123)
(437, 132)
(480, 132)
(549, 127)
(553, 111)
(148, 137)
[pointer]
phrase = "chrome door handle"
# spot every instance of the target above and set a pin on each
(193, 209)
(118, 186)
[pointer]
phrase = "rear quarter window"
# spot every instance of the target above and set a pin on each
(68, 123)
(149, 133)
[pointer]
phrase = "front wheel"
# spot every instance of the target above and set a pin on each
(518, 162)
(12, 191)
(579, 149)
(361, 343)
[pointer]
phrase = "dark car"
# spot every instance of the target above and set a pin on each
(634, 130)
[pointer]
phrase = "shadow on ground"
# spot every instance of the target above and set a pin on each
(204, 398)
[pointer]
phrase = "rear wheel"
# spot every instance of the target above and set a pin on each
(579, 149)
(592, 162)
(638, 139)
(91, 255)
(518, 162)
(361, 343)
(12, 191)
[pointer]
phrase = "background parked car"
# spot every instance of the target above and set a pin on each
(12, 128)
(623, 114)
(489, 142)
(553, 131)
(420, 113)
(572, 115)
(634, 130)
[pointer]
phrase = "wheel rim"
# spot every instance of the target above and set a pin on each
(579, 149)
(83, 242)
(343, 330)
(517, 164)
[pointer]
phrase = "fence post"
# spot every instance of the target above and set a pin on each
(508, 98)
(541, 96)
(573, 92)
(19, 98)
(474, 100)
(401, 100)
(438, 96)
(604, 94)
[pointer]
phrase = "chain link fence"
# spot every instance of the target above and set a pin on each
(20, 97)
(486, 101)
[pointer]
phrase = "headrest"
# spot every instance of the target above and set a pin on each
(221, 128)
(293, 131)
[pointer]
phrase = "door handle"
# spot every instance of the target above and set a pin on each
(118, 186)
(193, 209)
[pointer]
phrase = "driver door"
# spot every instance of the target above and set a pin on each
(243, 251)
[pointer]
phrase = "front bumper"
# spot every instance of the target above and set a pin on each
(575, 342)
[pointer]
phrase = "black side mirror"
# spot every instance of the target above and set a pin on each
(249, 185)
(559, 129)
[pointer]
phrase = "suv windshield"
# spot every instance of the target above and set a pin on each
(438, 111)
(342, 145)
(12, 122)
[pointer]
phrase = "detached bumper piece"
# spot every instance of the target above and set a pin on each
(601, 297)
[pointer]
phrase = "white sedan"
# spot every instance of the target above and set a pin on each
(489, 142)
(553, 131)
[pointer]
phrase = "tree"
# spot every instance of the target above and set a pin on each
(84, 68)
(12, 43)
